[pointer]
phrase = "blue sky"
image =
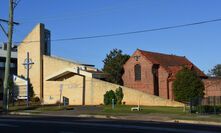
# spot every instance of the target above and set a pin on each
(75, 18)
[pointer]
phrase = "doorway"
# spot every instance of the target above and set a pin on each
(155, 72)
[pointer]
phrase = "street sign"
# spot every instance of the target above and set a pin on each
(65, 101)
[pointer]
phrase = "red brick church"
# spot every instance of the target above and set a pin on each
(154, 73)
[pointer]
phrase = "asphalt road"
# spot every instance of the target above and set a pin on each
(32, 124)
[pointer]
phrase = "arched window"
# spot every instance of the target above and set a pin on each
(137, 72)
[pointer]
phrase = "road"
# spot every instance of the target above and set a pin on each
(41, 124)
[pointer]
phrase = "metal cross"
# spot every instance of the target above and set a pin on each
(28, 63)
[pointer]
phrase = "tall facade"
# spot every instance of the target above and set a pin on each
(154, 73)
(34, 43)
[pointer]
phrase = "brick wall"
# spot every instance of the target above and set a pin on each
(212, 87)
(163, 85)
(146, 82)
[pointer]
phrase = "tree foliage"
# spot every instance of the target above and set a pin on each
(187, 86)
(216, 71)
(108, 96)
(113, 66)
(31, 93)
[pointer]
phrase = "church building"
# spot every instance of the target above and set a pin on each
(54, 78)
(154, 73)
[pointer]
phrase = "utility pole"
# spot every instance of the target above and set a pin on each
(12, 5)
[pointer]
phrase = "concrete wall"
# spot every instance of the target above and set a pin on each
(71, 88)
(53, 65)
(95, 89)
(94, 93)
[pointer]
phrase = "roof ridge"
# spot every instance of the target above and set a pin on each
(70, 60)
(168, 61)
(162, 53)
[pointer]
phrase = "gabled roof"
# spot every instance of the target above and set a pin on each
(171, 63)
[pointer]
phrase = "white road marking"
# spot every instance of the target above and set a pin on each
(7, 125)
(66, 132)
(146, 127)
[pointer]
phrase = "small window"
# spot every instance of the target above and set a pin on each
(2, 64)
(137, 71)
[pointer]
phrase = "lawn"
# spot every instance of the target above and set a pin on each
(124, 109)
(158, 112)
(168, 113)
(35, 108)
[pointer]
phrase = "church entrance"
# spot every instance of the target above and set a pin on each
(155, 79)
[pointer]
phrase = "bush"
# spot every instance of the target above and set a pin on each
(108, 96)
(187, 85)
(119, 95)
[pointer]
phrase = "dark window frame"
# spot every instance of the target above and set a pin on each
(137, 72)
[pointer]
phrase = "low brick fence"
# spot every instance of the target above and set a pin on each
(211, 100)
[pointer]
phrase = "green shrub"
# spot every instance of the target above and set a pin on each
(108, 96)
(187, 86)
(119, 95)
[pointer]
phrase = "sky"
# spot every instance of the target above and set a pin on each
(76, 18)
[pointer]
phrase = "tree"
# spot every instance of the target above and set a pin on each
(187, 86)
(108, 96)
(216, 71)
(119, 95)
(113, 66)
(31, 92)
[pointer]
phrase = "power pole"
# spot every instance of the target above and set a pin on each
(8, 56)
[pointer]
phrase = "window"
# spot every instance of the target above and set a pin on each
(2, 64)
(137, 71)
(47, 44)
(12, 65)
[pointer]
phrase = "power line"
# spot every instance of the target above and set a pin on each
(128, 33)
(82, 14)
